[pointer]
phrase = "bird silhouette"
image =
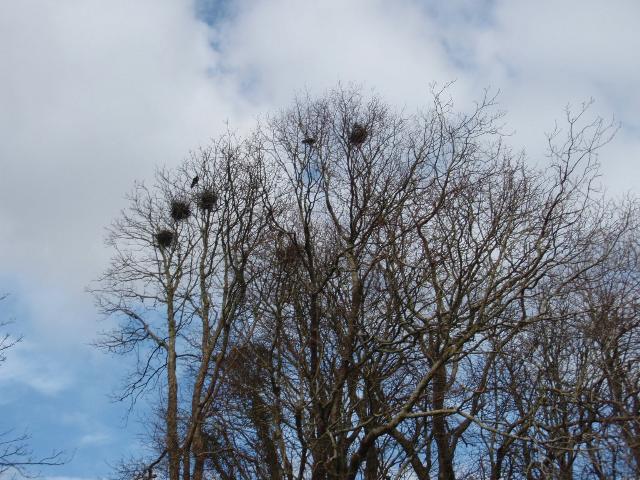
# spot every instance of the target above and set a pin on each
(194, 182)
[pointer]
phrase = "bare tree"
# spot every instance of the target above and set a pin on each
(610, 328)
(178, 282)
(369, 291)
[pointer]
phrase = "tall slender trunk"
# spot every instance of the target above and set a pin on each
(496, 468)
(197, 441)
(445, 455)
(199, 454)
(320, 449)
(173, 443)
(566, 467)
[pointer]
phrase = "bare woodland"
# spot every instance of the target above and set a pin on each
(353, 293)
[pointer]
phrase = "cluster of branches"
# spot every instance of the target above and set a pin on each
(368, 295)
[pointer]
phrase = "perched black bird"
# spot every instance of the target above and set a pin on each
(194, 182)
(309, 141)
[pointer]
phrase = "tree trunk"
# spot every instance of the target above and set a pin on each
(445, 457)
(173, 443)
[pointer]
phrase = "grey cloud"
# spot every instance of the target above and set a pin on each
(94, 95)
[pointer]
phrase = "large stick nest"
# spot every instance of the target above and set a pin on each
(358, 134)
(165, 238)
(180, 210)
(289, 255)
(207, 199)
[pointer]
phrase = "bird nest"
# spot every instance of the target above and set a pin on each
(164, 238)
(180, 210)
(289, 255)
(358, 134)
(207, 200)
(309, 141)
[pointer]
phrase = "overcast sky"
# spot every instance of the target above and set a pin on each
(95, 94)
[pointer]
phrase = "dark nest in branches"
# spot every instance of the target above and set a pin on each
(309, 141)
(289, 255)
(207, 199)
(358, 134)
(180, 210)
(165, 238)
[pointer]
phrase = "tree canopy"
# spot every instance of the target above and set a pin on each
(349, 292)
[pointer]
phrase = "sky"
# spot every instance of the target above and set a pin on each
(96, 94)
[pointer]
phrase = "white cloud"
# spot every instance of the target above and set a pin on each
(94, 95)
(546, 54)
(27, 365)
(276, 48)
(95, 438)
